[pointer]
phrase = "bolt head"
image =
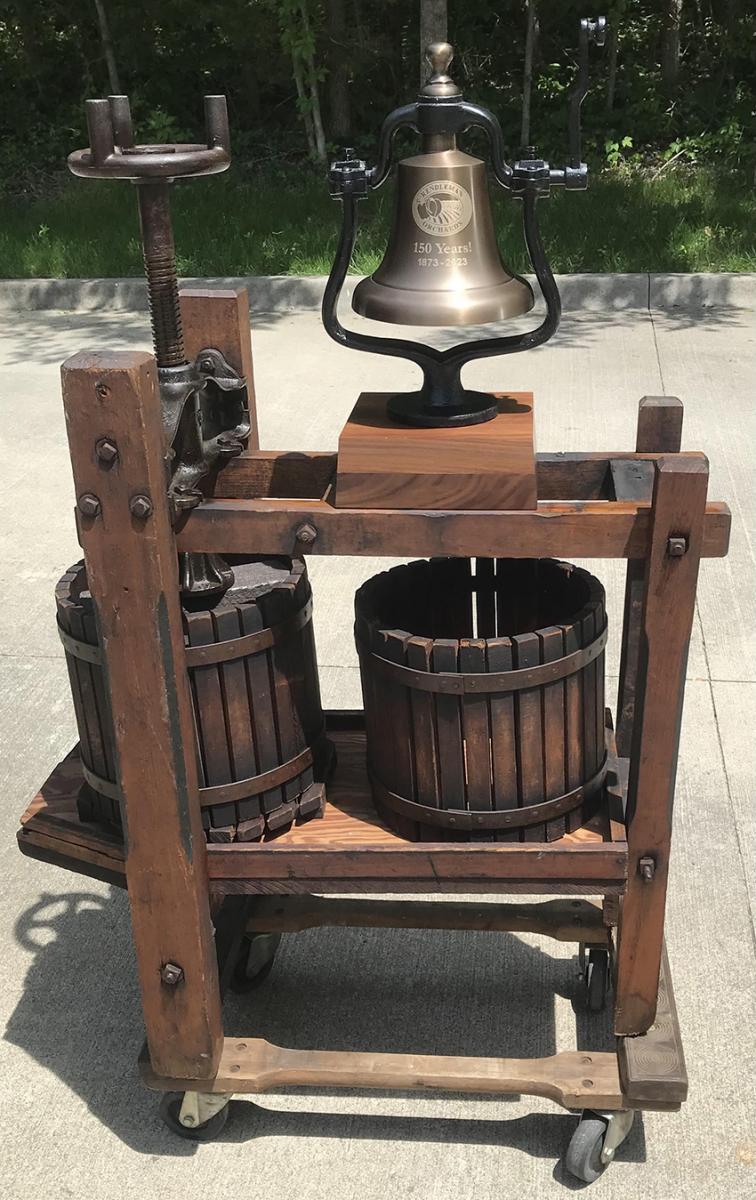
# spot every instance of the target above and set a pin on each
(89, 505)
(106, 451)
(140, 507)
(677, 546)
(171, 974)
(206, 364)
(187, 1120)
(306, 534)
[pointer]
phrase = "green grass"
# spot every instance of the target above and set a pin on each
(287, 224)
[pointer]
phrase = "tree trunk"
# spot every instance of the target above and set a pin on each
(670, 47)
(338, 73)
(611, 78)
(107, 48)
(304, 111)
(317, 119)
(527, 78)
(433, 26)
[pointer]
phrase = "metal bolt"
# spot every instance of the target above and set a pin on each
(677, 546)
(106, 451)
(89, 505)
(171, 974)
(647, 868)
(188, 1119)
(140, 507)
(206, 364)
(306, 534)
(102, 390)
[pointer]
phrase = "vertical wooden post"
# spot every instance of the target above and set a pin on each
(218, 319)
(677, 519)
(659, 429)
(125, 530)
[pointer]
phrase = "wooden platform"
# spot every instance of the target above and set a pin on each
(349, 848)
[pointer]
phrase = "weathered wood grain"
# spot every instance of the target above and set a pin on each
(133, 578)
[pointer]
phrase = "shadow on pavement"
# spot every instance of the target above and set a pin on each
(428, 992)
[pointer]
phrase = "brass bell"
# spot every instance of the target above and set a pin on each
(442, 265)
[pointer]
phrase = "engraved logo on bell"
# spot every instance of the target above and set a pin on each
(442, 208)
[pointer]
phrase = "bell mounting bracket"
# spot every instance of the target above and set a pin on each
(441, 111)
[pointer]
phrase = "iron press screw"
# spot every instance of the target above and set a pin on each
(89, 505)
(113, 154)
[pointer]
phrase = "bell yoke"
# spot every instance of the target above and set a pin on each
(442, 265)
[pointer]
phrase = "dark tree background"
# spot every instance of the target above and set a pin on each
(677, 79)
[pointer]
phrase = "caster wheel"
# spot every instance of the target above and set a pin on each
(597, 980)
(583, 1158)
(255, 961)
(170, 1109)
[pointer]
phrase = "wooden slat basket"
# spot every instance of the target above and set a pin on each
(483, 684)
(261, 747)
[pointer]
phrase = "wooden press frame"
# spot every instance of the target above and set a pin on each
(647, 506)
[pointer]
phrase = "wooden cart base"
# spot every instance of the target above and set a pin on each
(645, 1072)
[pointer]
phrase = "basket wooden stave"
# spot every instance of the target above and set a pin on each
(494, 752)
(261, 747)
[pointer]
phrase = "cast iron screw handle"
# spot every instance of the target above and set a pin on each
(113, 154)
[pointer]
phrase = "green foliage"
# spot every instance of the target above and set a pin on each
(283, 222)
(678, 159)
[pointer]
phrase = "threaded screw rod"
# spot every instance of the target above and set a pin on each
(160, 268)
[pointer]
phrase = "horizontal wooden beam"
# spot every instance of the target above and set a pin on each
(563, 920)
(278, 867)
(574, 1078)
(307, 475)
(584, 529)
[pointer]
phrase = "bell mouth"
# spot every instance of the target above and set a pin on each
(468, 306)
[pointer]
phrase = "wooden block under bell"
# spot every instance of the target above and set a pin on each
(490, 466)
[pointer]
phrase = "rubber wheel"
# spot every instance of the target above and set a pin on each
(583, 1157)
(597, 980)
(170, 1107)
(255, 962)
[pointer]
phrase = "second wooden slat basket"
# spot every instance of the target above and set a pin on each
(483, 684)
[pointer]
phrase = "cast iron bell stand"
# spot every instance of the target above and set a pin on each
(441, 112)
(648, 507)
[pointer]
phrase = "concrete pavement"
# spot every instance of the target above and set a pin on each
(77, 1122)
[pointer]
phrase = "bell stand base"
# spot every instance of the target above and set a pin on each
(489, 465)
(413, 408)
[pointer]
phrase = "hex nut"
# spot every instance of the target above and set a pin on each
(140, 507)
(171, 974)
(106, 451)
(677, 546)
(306, 534)
(89, 505)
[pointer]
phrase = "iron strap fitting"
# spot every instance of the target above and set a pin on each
(463, 819)
(228, 793)
(448, 683)
(215, 652)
